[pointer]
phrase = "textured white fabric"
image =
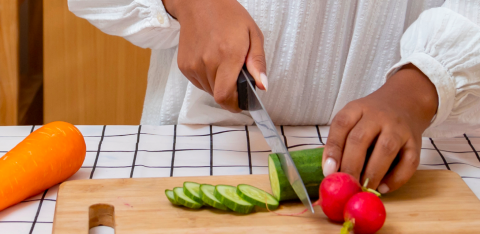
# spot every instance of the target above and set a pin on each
(445, 46)
(320, 56)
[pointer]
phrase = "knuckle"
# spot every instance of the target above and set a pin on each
(357, 136)
(187, 66)
(342, 120)
(390, 144)
(209, 58)
(221, 97)
(226, 47)
(259, 59)
(182, 66)
(412, 160)
(334, 144)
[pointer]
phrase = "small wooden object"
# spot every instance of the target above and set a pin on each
(431, 202)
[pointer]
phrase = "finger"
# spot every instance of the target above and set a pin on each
(341, 125)
(210, 63)
(359, 140)
(255, 61)
(407, 165)
(189, 72)
(195, 83)
(386, 149)
(202, 78)
(225, 91)
(200, 73)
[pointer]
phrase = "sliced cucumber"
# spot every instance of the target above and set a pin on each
(228, 196)
(170, 196)
(257, 196)
(309, 165)
(183, 200)
(207, 194)
(192, 189)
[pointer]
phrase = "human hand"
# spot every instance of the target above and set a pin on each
(392, 119)
(216, 39)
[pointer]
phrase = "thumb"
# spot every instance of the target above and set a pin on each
(255, 62)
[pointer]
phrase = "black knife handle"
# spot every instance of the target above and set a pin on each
(242, 88)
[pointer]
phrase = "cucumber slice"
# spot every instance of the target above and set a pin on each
(309, 166)
(171, 197)
(228, 196)
(207, 194)
(192, 189)
(183, 200)
(257, 196)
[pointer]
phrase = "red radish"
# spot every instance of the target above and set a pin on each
(335, 191)
(364, 214)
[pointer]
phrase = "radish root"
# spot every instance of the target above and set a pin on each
(287, 214)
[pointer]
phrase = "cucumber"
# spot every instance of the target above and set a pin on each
(257, 196)
(207, 194)
(228, 196)
(192, 189)
(183, 200)
(309, 166)
(170, 196)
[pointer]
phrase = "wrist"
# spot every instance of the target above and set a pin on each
(171, 7)
(413, 91)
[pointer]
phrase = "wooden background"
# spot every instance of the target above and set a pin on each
(90, 77)
(56, 66)
(9, 70)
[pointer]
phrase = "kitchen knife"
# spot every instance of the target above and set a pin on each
(249, 100)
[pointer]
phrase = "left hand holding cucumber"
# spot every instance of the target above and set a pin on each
(392, 119)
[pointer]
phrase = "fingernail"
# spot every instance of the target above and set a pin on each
(330, 167)
(264, 79)
(383, 188)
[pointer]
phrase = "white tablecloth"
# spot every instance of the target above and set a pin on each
(162, 151)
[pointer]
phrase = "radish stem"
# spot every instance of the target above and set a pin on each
(365, 189)
(347, 227)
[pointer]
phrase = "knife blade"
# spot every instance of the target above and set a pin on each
(248, 100)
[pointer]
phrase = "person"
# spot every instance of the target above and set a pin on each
(379, 73)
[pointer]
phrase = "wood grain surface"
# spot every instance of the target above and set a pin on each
(431, 202)
(90, 77)
(9, 70)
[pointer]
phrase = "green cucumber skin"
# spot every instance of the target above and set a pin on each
(190, 194)
(181, 201)
(309, 166)
(232, 205)
(209, 201)
(256, 202)
(171, 199)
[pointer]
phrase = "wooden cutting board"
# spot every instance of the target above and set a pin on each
(431, 202)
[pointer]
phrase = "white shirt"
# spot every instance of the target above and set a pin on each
(320, 56)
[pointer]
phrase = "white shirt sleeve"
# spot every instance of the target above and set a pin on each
(144, 23)
(444, 43)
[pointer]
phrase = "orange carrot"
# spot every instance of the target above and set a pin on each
(46, 157)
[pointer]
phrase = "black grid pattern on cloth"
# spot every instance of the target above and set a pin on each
(163, 151)
(98, 151)
(471, 145)
(136, 150)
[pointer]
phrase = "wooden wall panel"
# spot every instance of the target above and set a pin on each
(9, 72)
(90, 77)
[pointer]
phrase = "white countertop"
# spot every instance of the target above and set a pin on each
(162, 151)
